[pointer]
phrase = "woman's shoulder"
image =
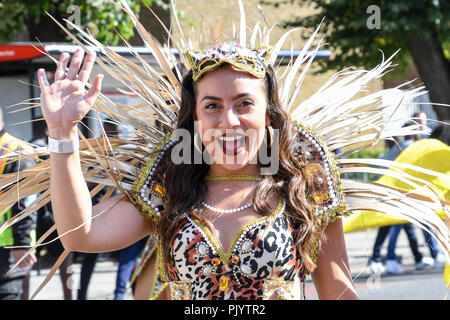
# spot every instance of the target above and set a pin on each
(149, 190)
(320, 171)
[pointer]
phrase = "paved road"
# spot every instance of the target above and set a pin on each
(427, 284)
(421, 285)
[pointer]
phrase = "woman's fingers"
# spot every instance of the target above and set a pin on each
(83, 76)
(93, 92)
(42, 78)
(75, 64)
(60, 73)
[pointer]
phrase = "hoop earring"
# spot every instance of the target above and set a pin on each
(196, 143)
(269, 139)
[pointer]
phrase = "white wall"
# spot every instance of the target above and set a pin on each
(16, 89)
(13, 91)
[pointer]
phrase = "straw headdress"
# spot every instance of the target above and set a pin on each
(334, 117)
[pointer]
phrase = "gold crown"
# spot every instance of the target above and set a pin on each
(253, 61)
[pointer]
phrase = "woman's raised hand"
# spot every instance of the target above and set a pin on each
(65, 102)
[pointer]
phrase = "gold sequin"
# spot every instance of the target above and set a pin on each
(215, 262)
(159, 189)
(310, 169)
(224, 283)
(320, 197)
(279, 287)
(180, 291)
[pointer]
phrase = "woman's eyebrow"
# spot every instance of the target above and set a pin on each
(210, 98)
(244, 94)
(240, 95)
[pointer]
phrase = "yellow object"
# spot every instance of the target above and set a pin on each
(215, 262)
(159, 189)
(224, 283)
(8, 144)
(320, 197)
(253, 61)
(310, 169)
(361, 220)
(447, 275)
(429, 154)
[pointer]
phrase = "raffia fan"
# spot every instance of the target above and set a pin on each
(335, 114)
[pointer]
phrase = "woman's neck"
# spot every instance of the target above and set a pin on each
(251, 170)
(226, 193)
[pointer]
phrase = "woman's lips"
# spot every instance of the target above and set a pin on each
(231, 145)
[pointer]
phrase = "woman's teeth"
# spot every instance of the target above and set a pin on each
(231, 144)
(230, 139)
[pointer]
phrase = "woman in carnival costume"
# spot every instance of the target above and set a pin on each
(239, 184)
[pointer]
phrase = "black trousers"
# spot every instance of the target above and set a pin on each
(11, 289)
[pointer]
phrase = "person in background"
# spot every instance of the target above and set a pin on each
(420, 118)
(392, 264)
(127, 261)
(45, 220)
(438, 257)
(442, 133)
(89, 260)
(127, 256)
(21, 233)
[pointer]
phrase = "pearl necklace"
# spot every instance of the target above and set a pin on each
(230, 177)
(226, 210)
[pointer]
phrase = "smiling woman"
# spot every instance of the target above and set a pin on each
(231, 103)
(239, 226)
(231, 225)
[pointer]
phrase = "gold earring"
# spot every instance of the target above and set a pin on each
(270, 136)
(196, 135)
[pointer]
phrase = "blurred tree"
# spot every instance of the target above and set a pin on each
(356, 30)
(101, 17)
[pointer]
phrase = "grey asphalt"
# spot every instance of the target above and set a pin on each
(427, 284)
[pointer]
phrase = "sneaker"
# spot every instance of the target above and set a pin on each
(376, 267)
(425, 262)
(439, 261)
(393, 267)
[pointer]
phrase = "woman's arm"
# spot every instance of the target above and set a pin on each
(64, 103)
(332, 277)
(116, 223)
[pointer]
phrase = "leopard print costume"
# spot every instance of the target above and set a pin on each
(262, 262)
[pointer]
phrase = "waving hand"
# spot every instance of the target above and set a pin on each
(65, 102)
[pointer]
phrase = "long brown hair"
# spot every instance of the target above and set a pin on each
(186, 188)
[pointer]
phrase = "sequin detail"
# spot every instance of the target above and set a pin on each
(313, 148)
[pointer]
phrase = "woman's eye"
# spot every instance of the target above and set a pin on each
(211, 106)
(246, 103)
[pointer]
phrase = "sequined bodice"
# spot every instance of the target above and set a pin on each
(261, 262)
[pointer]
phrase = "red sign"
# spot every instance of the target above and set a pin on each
(20, 52)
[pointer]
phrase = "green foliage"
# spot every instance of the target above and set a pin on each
(354, 43)
(101, 17)
(367, 153)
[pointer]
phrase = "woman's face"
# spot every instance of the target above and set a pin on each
(230, 116)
